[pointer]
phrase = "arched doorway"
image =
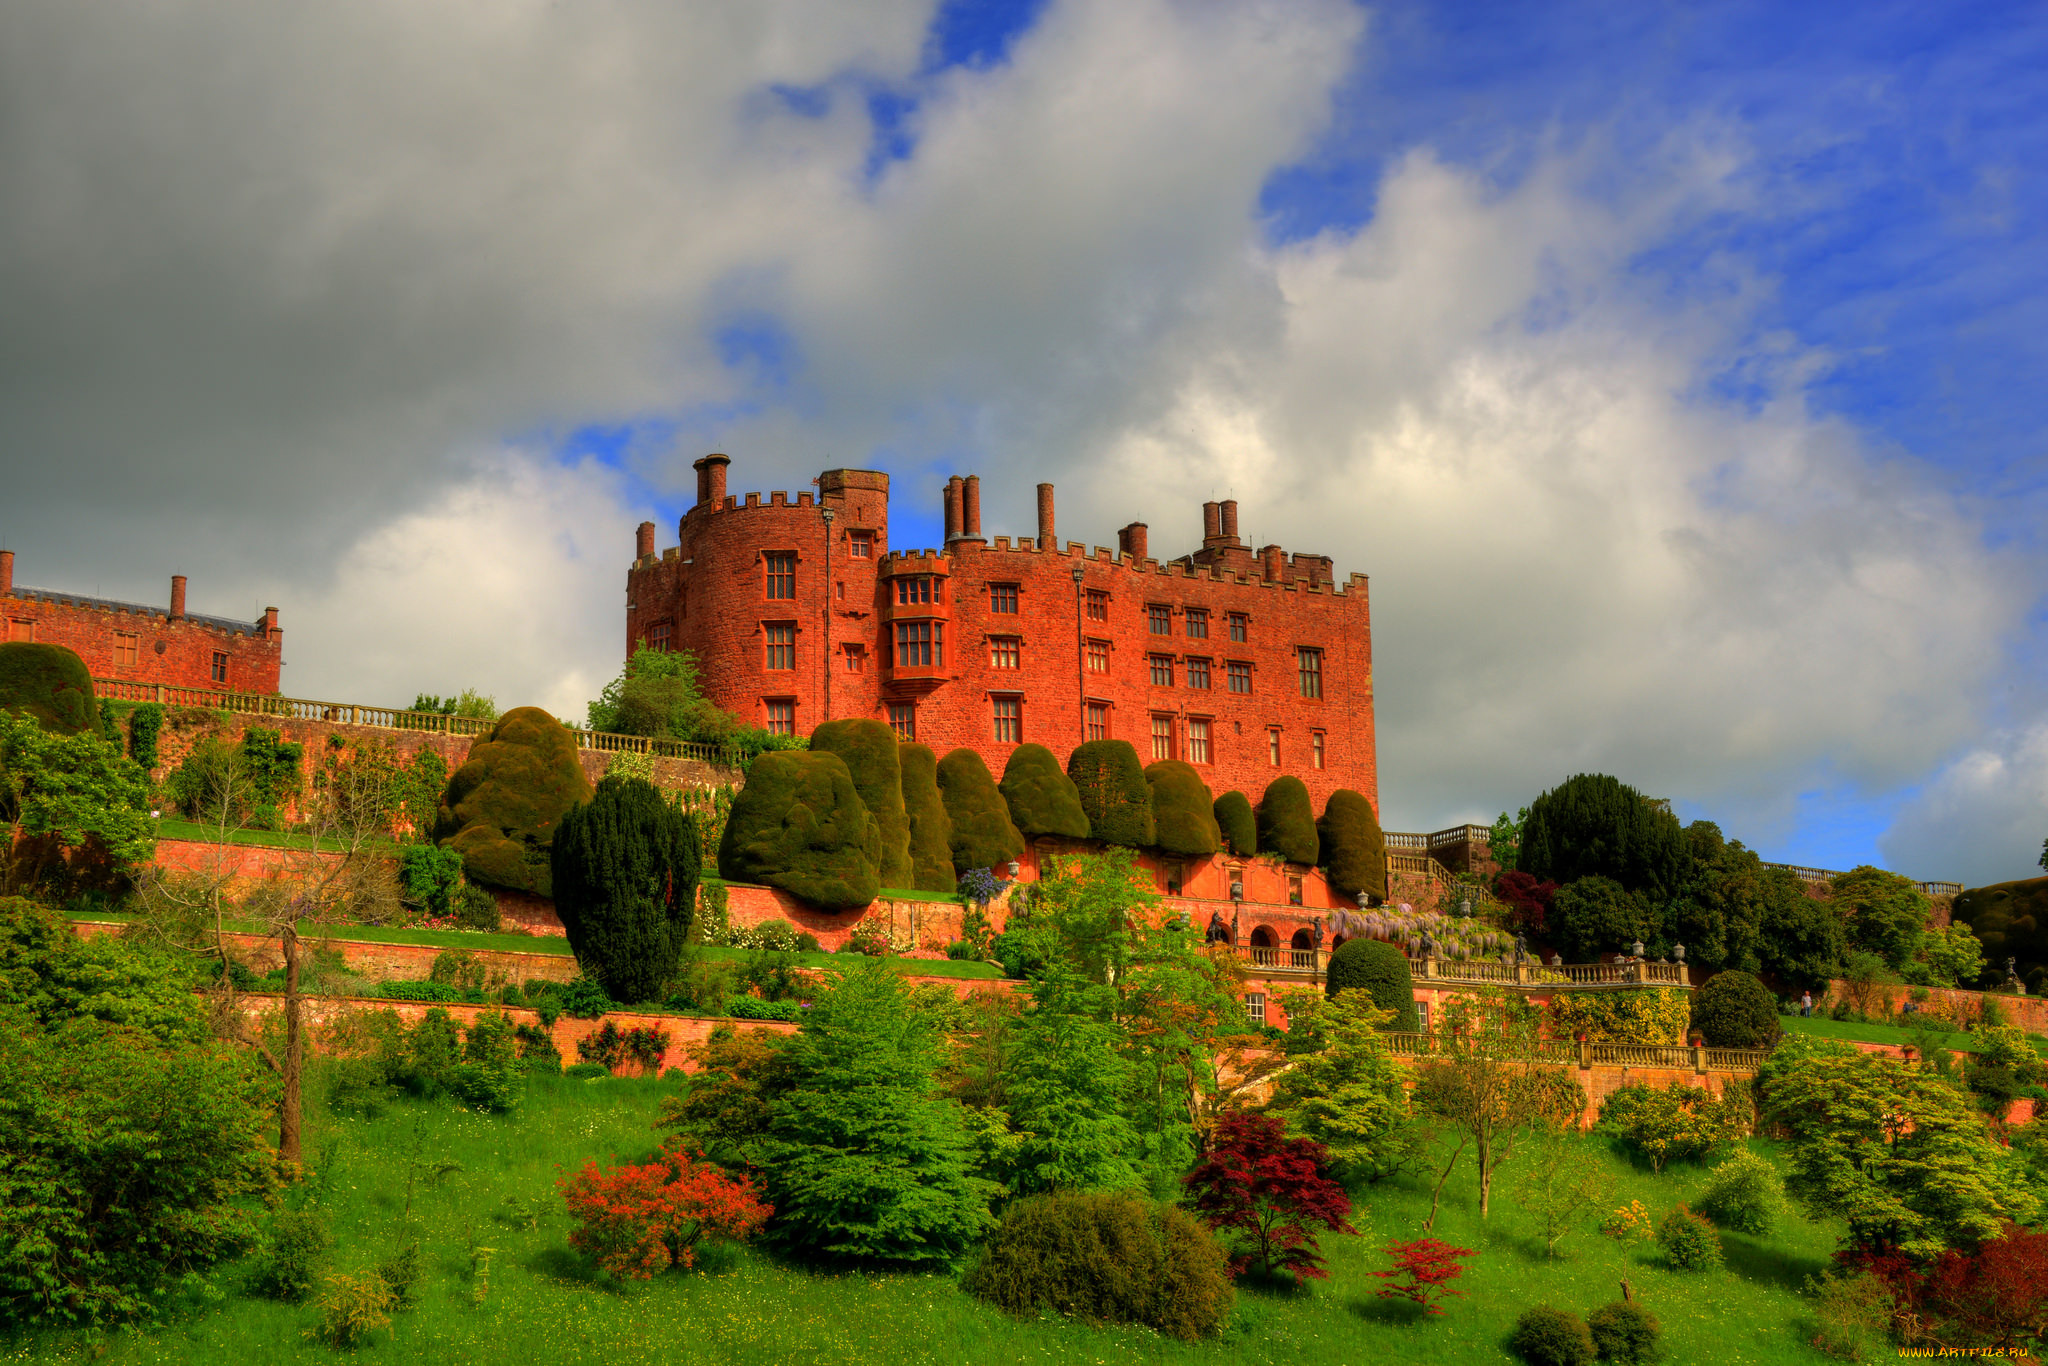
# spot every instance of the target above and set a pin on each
(1302, 948)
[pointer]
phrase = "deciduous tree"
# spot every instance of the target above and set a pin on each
(1268, 1194)
(1485, 1081)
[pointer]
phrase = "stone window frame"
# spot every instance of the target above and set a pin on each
(1006, 713)
(903, 720)
(1006, 652)
(778, 715)
(778, 637)
(778, 572)
(1005, 599)
(1159, 669)
(1236, 670)
(1200, 744)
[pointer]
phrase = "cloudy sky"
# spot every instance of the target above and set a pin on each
(1679, 373)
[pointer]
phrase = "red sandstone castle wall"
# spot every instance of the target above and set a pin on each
(168, 646)
(710, 593)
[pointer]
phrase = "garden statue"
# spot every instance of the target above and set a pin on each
(1521, 948)
(1218, 932)
(1428, 945)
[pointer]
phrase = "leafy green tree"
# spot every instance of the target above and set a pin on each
(1183, 812)
(1680, 1122)
(625, 878)
(1504, 841)
(1042, 799)
(1596, 915)
(1381, 971)
(931, 830)
(1485, 1082)
(1065, 1079)
(1287, 822)
(869, 748)
(1887, 914)
(68, 795)
(1238, 826)
(1896, 1151)
(799, 825)
(984, 836)
(658, 694)
(1354, 851)
(1802, 937)
(1592, 825)
(1349, 1094)
(1951, 957)
(868, 1163)
(1114, 794)
(50, 685)
(469, 704)
(502, 805)
(1562, 1184)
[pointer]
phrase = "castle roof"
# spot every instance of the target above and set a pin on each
(134, 608)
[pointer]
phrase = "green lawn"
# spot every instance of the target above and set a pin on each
(556, 944)
(545, 1306)
(1878, 1033)
(172, 828)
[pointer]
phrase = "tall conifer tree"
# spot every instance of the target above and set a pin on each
(625, 868)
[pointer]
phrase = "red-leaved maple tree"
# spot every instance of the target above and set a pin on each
(639, 1220)
(1268, 1194)
(1996, 1296)
(1422, 1271)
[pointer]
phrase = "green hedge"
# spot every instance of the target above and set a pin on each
(931, 830)
(870, 751)
(1183, 812)
(1381, 970)
(50, 684)
(1238, 826)
(1114, 793)
(799, 825)
(1354, 851)
(1735, 1010)
(1042, 799)
(502, 806)
(1287, 822)
(984, 836)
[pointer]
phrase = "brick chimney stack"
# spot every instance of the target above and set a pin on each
(1212, 525)
(1227, 522)
(643, 541)
(6, 572)
(1047, 539)
(1131, 541)
(270, 631)
(953, 499)
(711, 480)
(1274, 562)
(970, 507)
(177, 597)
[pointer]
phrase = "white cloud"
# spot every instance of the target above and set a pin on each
(1985, 814)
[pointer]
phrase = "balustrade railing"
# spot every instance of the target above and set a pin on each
(388, 718)
(1568, 1052)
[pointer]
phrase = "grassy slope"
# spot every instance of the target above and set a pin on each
(172, 828)
(545, 1307)
(1877, 1033)
(555, 944)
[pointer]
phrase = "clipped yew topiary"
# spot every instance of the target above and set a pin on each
(799, 825)
(1238, 826)
(502, 806)
(1106, 1257)
(1287, 822)
(1735, 1010)
(870, 751)
(1114, 793)
(1354, 852)
(1380, 970)
(984, 836)
(1041, 798)
(931, 830)
(1183, 813)
(625, 868)
(50, 685)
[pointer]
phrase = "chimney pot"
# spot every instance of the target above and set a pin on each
(1045, 523)
(711, 480)
(1212, 523)
(1273, 562)
(177, 597)
(269, 622)
(643, 541)
(1227, 522)
(970, 507)
(6, 572)
(1132, 541)
(953, 501)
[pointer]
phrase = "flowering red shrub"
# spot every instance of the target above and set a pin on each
(1421, 1270)
(1268, 1189)
(639, 1220)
